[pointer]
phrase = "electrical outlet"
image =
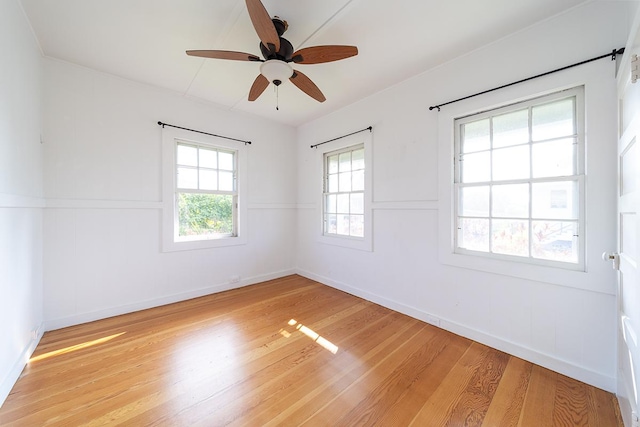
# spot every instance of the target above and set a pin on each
(234, 279)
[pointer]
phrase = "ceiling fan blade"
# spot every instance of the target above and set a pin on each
(258, 86)
(320, 54)
(224, 54)
(305, 84)
(263, 24)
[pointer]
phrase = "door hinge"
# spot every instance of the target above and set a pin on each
(635, 71)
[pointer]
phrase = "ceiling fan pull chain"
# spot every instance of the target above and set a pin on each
(277, 99)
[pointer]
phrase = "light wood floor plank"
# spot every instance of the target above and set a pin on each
(287, 352)
(506, 405)
(539, 402)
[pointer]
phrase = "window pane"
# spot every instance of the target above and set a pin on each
(343, 203)
(511, 163)
(204, 214)
(553, 120)
(476, 167)
(333, 164)
(357, 159)
(555, 158)
(555, 240)
(357, 226)
(510, 201)
(510, 237)
(357, 203)
(345, 181)
(208, 179)
(357, 183)
(344, 224)
(187, 178)
(475, 136)
(345, 162)
(330, 201)
(511, 129)
(208, 158)
(473, 234)
(226, 161)
(187, 156)
(225, 181)
(555, 200)
(331, 224)
(333, 183)
(474, 201)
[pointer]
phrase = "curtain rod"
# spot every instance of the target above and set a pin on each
(205, 133)
(370, 129)
(612, 54)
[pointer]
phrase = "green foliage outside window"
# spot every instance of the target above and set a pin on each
(203, 214)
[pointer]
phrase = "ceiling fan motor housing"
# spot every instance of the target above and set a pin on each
(284, 54)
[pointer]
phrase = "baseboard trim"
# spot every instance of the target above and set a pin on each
(77, 319)
(555, 364)
(12, 377)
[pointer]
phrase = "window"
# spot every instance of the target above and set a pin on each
(344, 176)
(343, 206)
(202, 192)
(519, 182)
(206, 196)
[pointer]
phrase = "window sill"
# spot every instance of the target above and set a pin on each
(361, 244)
(169, 245)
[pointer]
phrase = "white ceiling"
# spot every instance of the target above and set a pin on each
(145, 41)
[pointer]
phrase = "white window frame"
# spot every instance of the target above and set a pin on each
(170, 241)
(576, 94)
(364, 243)
(326, 191)
(596, 276)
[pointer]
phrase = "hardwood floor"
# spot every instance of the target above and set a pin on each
(288, 352)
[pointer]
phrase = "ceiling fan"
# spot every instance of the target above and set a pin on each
(278, 53)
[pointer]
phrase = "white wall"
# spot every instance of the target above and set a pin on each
(565, 321)
(20, 194)
(102, 174)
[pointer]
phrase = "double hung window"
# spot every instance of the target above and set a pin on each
(344, 196)
(205, 192)
(519, 181)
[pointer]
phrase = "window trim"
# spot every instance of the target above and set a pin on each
(359, 243)
(595, 276)
(579, 175)
(170, 139)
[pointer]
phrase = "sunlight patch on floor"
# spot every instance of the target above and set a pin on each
(325, 343)
(75, 347)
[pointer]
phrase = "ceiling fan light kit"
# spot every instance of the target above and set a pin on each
(276, 71)
(278, 53)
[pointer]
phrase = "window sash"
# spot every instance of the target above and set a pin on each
(197, 168)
